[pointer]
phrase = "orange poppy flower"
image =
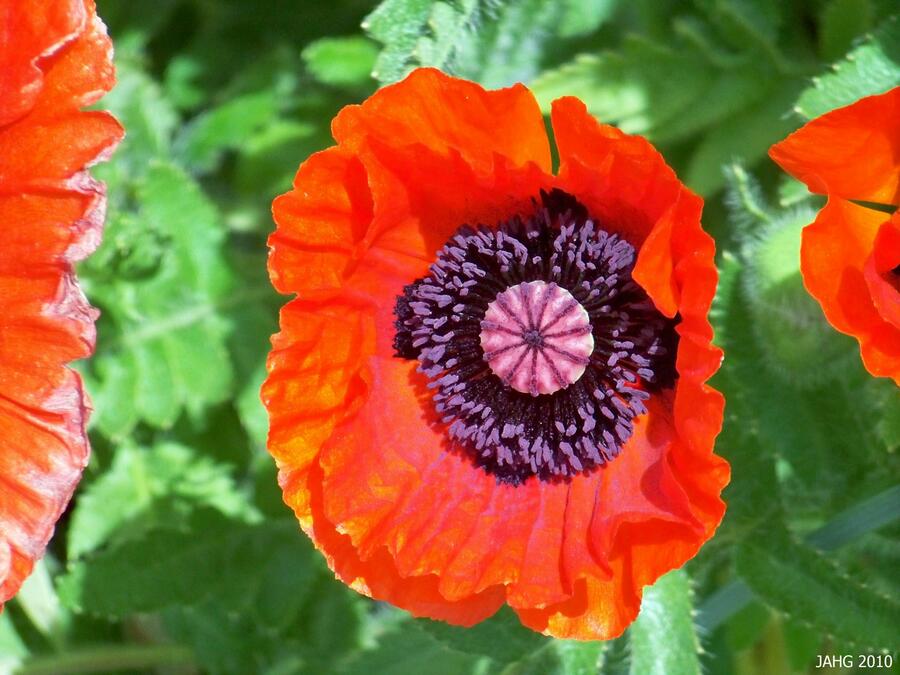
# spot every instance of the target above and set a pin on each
(850, 255)
(55, 58)
(491, 386)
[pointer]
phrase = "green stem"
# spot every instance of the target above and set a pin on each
(107, 659)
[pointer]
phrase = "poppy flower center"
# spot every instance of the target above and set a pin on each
(538, 345)
(536, 337)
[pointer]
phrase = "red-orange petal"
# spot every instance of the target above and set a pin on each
(57, 59)
(834, 252)
(363, 460)
(450, 115)
(29, 36)
(851, 153)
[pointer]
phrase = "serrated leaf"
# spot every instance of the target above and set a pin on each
(756, 22)
(398, 25)
(209, 556)
(561, 657)
(502, 637)
(297, 618)
(585, 16)
(802, 643)
(341, 62)
(406, 649)
(510, 42)
(164, 347)
(870, 68)
(842, 21)
(663, 638)
(638, 88)
(136, 480)
(745, 627)
(672, 92)
(150, 119)
(745, 136)
(804, 584)
(201, 144)
(493, 42)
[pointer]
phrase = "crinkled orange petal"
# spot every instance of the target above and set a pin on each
(834, 252)
(446, 114)
(363, 459)
(55, 59)
(322, 223)
(852, 152)
(30, 36)
(317, 379)
(622, 179)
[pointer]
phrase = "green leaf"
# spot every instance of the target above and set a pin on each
(747, 625)
(663, 638)
(745, 136)
(639, 88)
(341, 62)
(202, 142)
(515, 649)
(673, 91)
(842, 21)
(13, 650)
(38, 600)
(860, 519)
(140, 478)
(585, 16)
(747, 22)
(502, 637)
(406, 649)
(561, 657)
(491, 41)
(802, 583)
(164, 347)
(870, 68)
(510, 42)
(398, 25)
(209, 557)
(802, 643)
(139, 104)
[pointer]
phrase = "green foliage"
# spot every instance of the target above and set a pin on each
(178, 553)
(724, 74)
(663, 639)
(804, 584)
(142, 486)
(870, 68)
(497, 42)
(161, 325)
(497, 646)
(502, 637)
(208, 556)
(341, 62)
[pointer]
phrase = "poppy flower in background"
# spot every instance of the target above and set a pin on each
(55, 58)
(490, 387)
(850, 255)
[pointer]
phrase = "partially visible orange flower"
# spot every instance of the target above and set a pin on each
(55, 58)
(850, 255)
(491, 387)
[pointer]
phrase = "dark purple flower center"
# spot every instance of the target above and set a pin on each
(540, 347)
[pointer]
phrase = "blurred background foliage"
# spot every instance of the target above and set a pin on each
(177, 555)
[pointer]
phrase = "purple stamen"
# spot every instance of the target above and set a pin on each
(540, 348)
